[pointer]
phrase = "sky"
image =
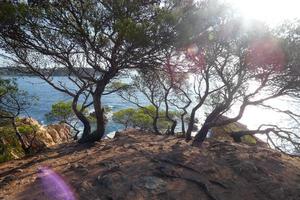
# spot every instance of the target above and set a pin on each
(272, 12)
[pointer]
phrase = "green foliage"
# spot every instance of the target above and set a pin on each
(63, 112)
(12, 100)
(7, 86)
(249, 139)
(27, 129)
(60, 111)
(124, 117)
(117, 86)
(7, 13)
(10, 147)
(141, 118)
(224, 133)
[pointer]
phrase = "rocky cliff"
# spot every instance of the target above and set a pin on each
(34, 134)
(45, 136)
(138, 166)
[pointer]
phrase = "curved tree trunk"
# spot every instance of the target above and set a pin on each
(201, 135)
(155, 121)
(171, 131)
(82, 118)
(209, 123)
(188, 134)
(182, 123)
(99, 113)
(19, 136)
(174, 122)
(173, 127)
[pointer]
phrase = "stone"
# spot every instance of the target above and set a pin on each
(153, 183)
(105, 180)
(76, 166)
(278, 193)
(79, 167)
(8, 178)
(127, 146)
(45, 136)
(88, 152)
(85, 186)
(83, 170)
(246, 166)
(110, 165)
(19, 170)
(107, 147)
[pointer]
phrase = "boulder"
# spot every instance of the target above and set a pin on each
(45, 136)
(29, 121)
(224, 133)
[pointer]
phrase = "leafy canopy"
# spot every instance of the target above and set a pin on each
(141, 118)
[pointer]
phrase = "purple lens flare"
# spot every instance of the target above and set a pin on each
(54, 186)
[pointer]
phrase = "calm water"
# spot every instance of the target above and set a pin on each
(253, 117)
(48, 96)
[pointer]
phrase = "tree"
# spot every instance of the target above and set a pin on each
(231, 68)
(63, 112)
(94, 41)
(247, 68)
(164, 90)
(14, 102)
(142, 118)
(239, 69)
(168, 85)
(125, 117)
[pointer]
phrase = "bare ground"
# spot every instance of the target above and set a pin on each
(137, 166)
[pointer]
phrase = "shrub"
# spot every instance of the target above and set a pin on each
(27, 129)
(10, 146)
(249, 139)
(141, 118)
(61, 111)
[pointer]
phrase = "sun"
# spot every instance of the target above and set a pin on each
(269, 11)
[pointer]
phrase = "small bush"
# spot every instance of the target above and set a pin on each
(141, 118)
(27, 129)
(10, 146)
(248, 139)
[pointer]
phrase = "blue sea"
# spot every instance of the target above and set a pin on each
(47, 96)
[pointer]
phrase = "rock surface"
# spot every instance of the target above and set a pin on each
(155, 167)
(34, 134)
(224, 133)
(45, 136)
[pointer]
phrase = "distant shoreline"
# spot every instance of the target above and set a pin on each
(17, 71)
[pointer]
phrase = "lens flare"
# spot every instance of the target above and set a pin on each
(54, 186)
(265, 55)
(192, 50)
(197, 56)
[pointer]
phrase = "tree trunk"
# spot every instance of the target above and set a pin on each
(208, 124)
(201, 135)
(82, 118)
(174, 122)
(99, 113)
(155, 120)
(182, 123)
(19, 136)
(188, 134)
(173, 127)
